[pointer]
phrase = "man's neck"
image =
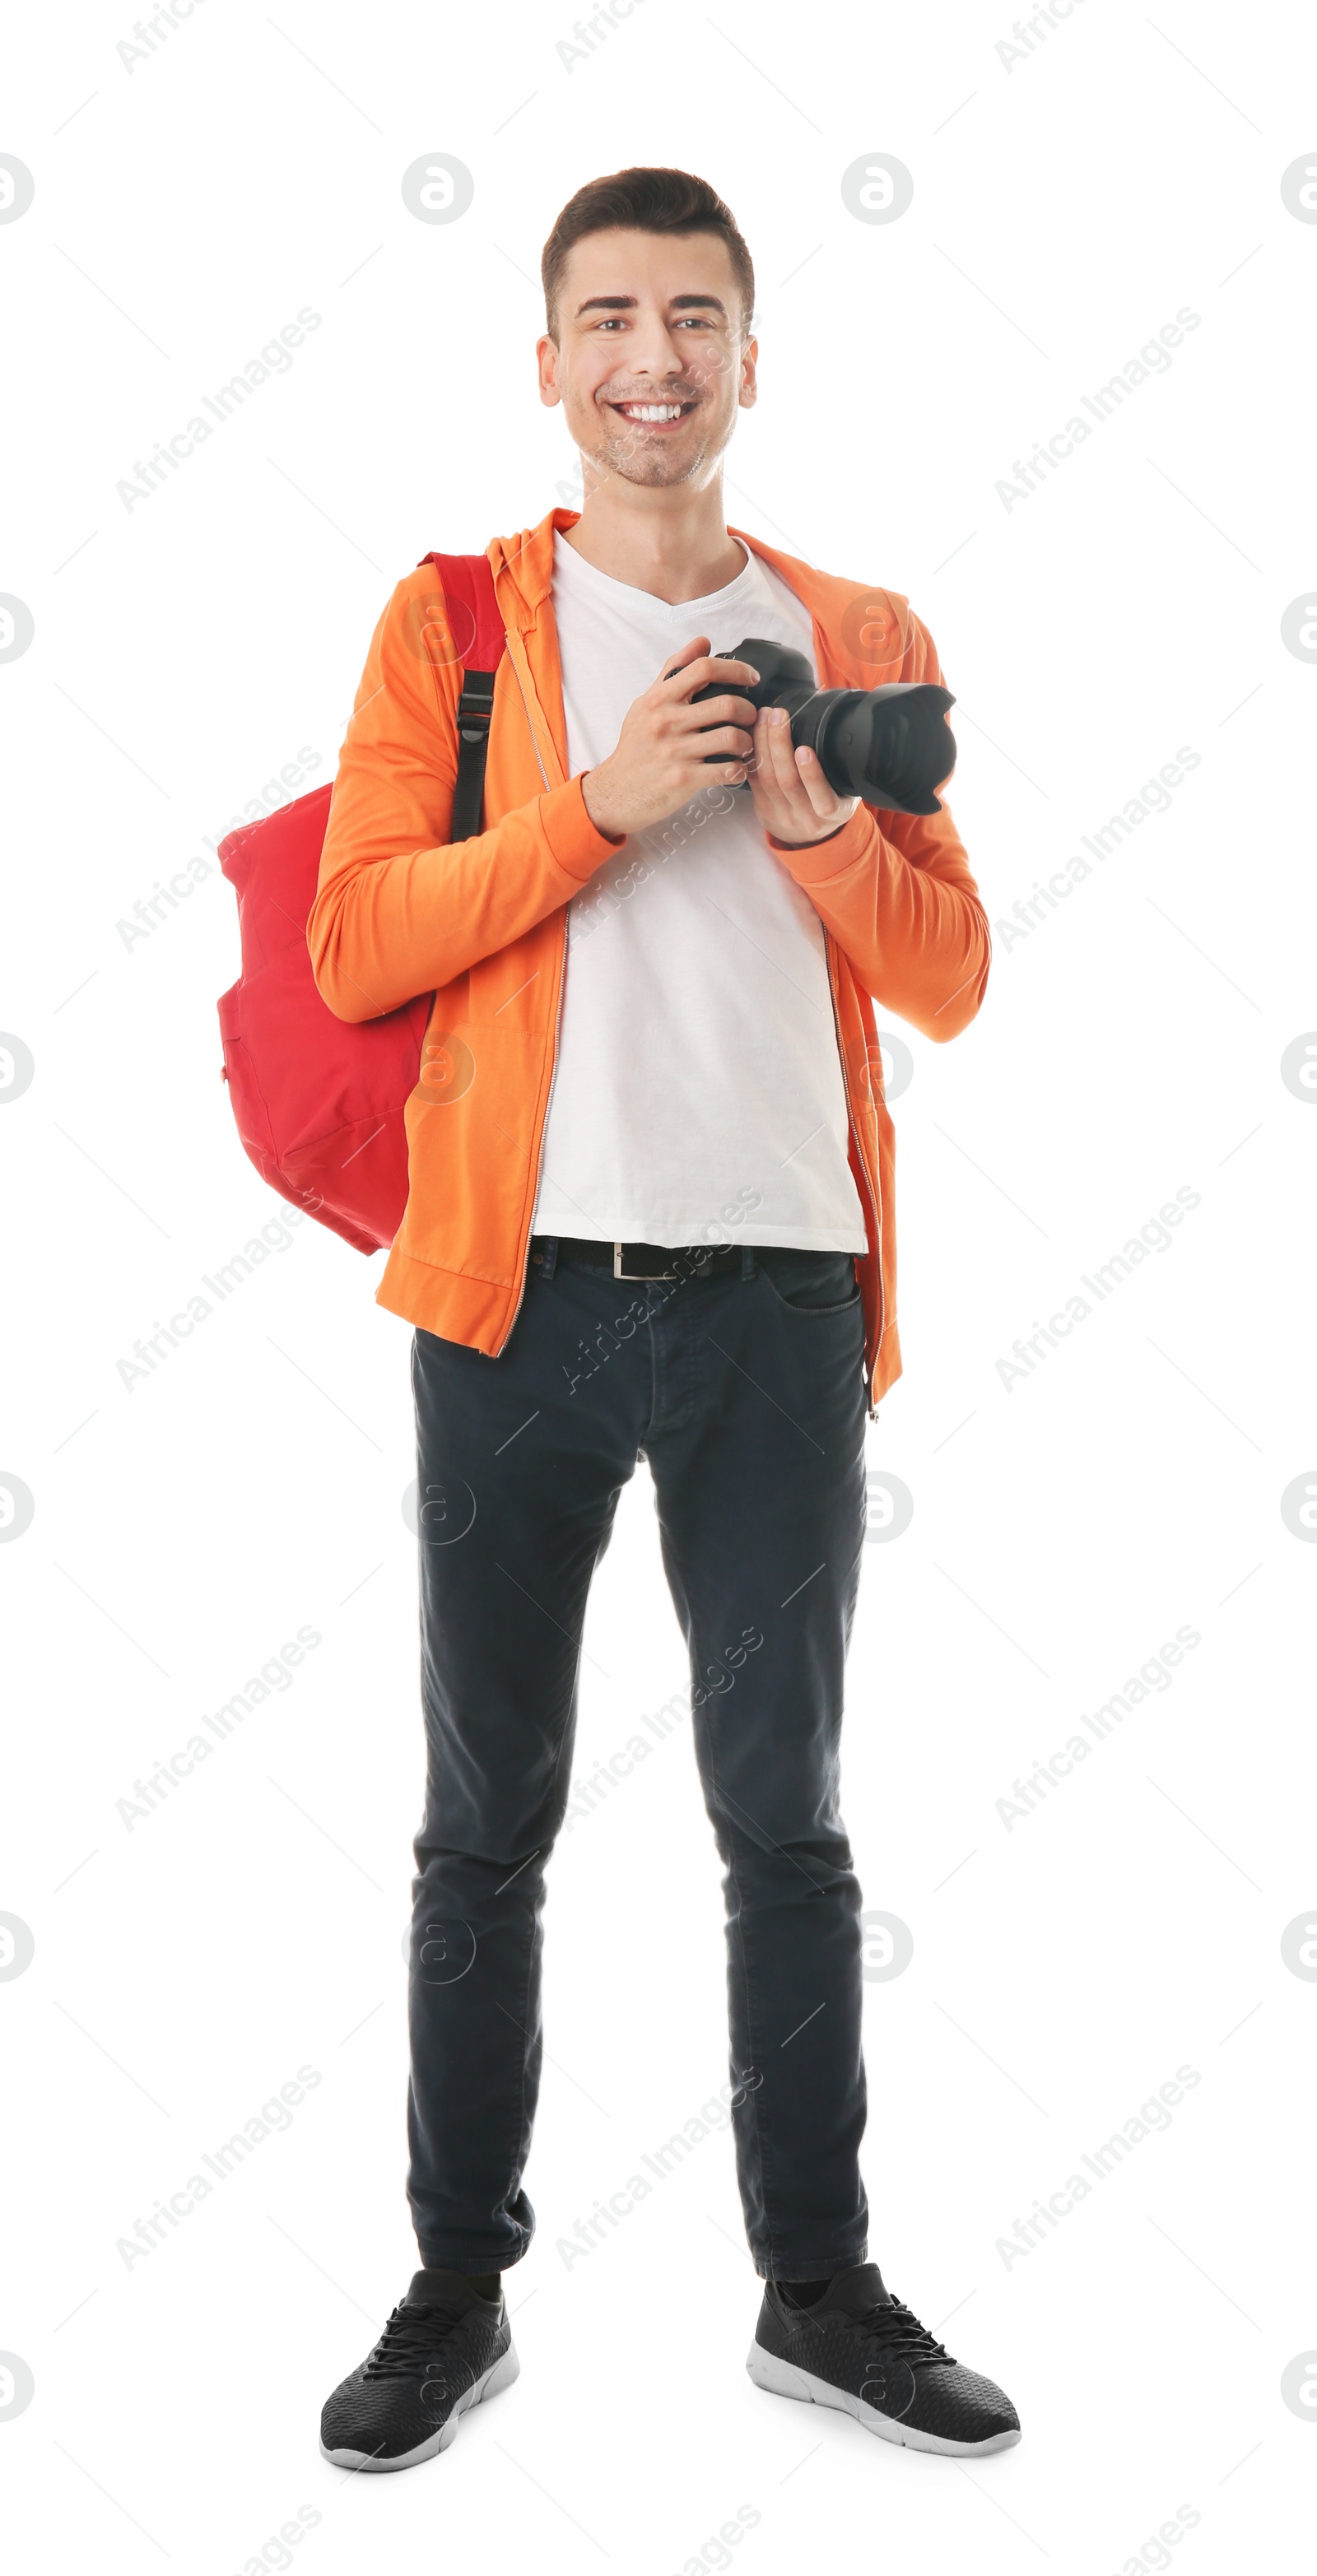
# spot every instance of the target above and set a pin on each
(672, 543)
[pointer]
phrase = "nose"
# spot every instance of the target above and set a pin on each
(654, 351)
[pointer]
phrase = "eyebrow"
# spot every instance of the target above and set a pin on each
(629, 303)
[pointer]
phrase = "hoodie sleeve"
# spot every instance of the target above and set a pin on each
(900, 899)
(399, 908)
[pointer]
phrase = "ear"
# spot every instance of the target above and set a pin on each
(546, 356)
(748, 394)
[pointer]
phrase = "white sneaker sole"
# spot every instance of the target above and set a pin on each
(500, 2375)
(783, 2379)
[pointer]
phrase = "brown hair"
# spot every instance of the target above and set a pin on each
(644, 201)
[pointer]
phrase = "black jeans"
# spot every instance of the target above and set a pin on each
(746, 1396)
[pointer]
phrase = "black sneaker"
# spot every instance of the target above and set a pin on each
(443, 2349)
(858, 2348)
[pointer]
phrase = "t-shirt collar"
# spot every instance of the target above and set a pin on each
(570, 566)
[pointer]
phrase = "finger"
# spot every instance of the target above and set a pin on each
(822, 797)
(696, 649)
(726, 740)
(724, 667)
(782, 769)
(774, 790)
(760, 774)
(765, 780)
(687, 674)
(729, 710)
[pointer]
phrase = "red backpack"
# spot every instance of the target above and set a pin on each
(318, 1100)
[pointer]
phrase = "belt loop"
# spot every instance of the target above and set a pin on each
(749, 1265)
(548, 1245)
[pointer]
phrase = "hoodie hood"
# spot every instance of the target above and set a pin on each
(860, 636)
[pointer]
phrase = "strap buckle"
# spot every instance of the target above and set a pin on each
(475, 706)
(620, 1273)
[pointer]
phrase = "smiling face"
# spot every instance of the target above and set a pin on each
(650, 364)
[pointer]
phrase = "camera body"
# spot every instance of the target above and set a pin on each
(891, 746)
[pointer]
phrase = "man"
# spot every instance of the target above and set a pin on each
(650, 1215)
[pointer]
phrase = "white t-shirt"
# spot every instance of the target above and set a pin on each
(698, 1091)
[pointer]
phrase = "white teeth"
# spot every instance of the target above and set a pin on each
(651, 411)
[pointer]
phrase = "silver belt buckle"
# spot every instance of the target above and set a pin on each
(620, 1273)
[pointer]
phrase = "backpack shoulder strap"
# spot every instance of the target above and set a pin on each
(476, 632)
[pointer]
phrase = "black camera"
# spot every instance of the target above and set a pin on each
(891, 746)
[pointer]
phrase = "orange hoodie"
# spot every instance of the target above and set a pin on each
(399, 910)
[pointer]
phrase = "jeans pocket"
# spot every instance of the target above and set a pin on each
(812, 1283)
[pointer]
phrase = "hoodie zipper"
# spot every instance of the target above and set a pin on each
(534, 739)
(874, 1190)
(539, 1151)
(557, 1035)
(874, 1195)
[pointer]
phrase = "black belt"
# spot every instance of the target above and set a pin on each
(646, 1260)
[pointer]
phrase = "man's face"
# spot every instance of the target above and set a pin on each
(650, 365)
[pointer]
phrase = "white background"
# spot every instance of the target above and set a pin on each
(1064, 209)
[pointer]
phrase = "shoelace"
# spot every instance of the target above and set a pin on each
(894, 2328)
(410, 2339)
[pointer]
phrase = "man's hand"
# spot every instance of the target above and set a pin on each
(792, 797)
(662, 754)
